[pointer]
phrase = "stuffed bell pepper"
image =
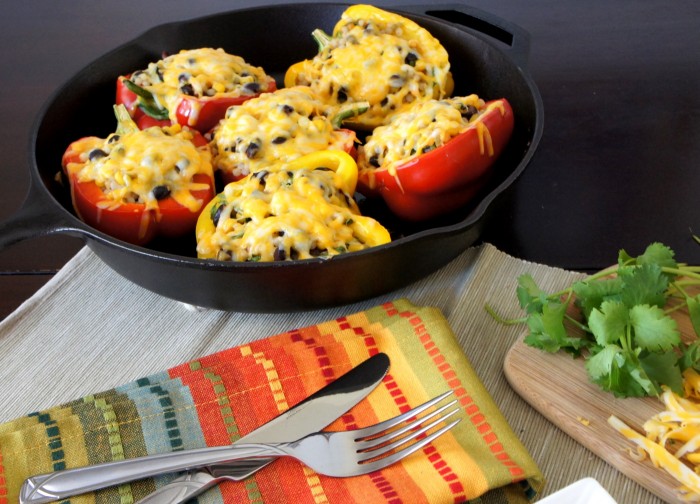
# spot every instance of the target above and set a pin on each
(192, 88)
(375, 56)
(434, 157)
(301, 210)
(278, 127)
(138, 184)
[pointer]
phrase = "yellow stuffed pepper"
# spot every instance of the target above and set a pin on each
(377, 57)
(300, 210)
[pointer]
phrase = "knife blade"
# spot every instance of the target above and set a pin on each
(309, 416)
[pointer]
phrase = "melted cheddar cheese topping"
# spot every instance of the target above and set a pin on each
(284, 215)
(417, 130)
(378, 57)
(274, 128)
(143, 166)
(201, 73)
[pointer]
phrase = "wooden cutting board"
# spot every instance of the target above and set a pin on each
(557, 386)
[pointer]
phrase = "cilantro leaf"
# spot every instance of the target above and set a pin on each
(548, 333)
(591, 294)
(653, 329)
(609, 324)
(600, 366)
(644, 284)
(656, 253)
(659, 254)
(690, 358)
(662, 368)
(530, 296)
(616, 371)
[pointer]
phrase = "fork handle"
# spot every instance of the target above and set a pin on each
(62, 484)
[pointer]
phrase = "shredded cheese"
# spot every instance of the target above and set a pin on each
(272, 129)
(424, 127)
(204, 72)
(139, 166)
(285, 215)
(672, 437)
(381, 58)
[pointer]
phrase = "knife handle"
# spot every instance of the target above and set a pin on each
(58, 485)
(194, 483)
(182, 489)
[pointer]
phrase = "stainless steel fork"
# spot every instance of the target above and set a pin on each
(338, 454)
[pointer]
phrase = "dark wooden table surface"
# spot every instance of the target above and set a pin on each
(618, 165)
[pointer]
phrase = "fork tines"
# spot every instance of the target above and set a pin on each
(392, 440)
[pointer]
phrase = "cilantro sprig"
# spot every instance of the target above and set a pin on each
(619, 320)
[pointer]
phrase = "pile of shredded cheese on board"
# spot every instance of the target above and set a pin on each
(672, 439)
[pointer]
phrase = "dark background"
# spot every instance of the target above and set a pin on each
(618, 165)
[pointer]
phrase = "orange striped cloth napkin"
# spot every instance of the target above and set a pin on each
(219, 398)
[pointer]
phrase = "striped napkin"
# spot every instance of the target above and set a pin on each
(219, 398)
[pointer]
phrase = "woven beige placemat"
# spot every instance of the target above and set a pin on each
(89, 329)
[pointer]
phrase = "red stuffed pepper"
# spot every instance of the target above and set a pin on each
(433, 158)
(193, 88)
(138, 184)
(277, 128)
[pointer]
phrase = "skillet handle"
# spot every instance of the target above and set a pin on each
(511, 37)
(35, 218)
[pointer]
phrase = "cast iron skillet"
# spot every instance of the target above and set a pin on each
(488, 57)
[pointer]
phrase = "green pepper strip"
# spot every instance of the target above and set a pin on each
(347, 111)
(322, 38)
(147, 101)
(125, 124)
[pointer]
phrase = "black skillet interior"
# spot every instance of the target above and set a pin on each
(275, 37)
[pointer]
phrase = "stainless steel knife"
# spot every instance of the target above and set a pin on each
(309, 416)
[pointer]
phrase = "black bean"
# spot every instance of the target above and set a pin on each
(251, 87)
(287, 109)
(279, 140)
(216, 213)
(253, 149)
(96, 154)
(469, 112)
(279, 254)
(187, 89)
(160, 192)
(374, 161)
(342, 95)
(411, 59)
(261, 176)
(317, 252)
(182, 165)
